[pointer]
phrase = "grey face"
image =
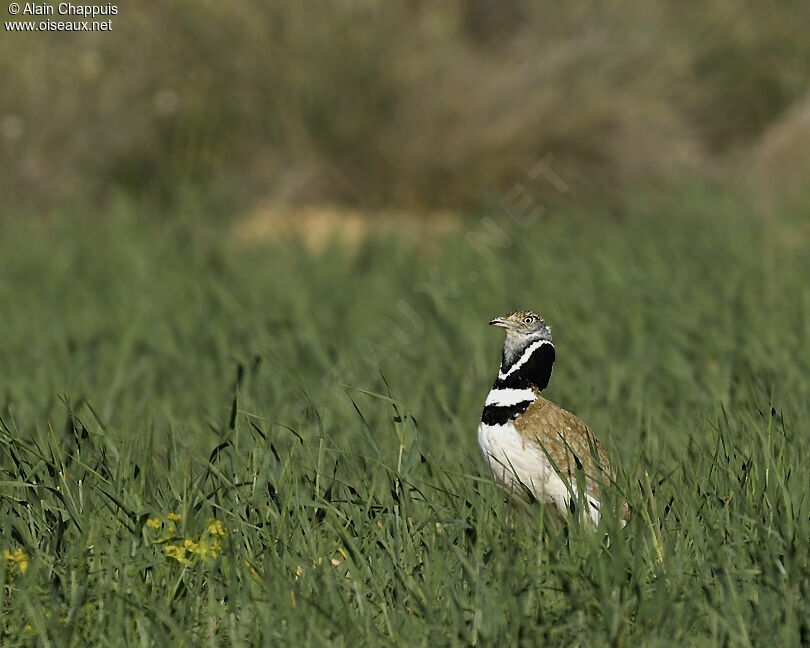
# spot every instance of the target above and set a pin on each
(522, 329)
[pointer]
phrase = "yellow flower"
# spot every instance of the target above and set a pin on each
(216, 528)
(154, 523)
(178, 552)
(18, 557)
(203, 548)
(174, 517)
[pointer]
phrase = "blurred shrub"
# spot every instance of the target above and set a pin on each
(373, 103)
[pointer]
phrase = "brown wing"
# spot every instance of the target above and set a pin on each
(568, 442)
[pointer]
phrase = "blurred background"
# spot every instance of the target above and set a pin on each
(409, 107)
(154, 180)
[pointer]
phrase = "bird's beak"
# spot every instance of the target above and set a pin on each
(502, 322)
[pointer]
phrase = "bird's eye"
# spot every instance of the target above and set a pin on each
(528, 320)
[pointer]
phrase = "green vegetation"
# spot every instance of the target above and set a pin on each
(379, 103)
(211, 434)
(309, 422)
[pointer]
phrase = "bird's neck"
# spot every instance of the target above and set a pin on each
(524, 373)
(527, 367)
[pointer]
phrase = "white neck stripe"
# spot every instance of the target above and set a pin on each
(507, 397)
(523, 359)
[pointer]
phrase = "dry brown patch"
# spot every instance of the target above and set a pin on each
(775, 171)
(318, 226)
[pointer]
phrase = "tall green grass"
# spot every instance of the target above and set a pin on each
(322, 408)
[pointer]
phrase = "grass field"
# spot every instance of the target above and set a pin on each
(204, 442)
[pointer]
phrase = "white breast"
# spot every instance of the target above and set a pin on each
(505, 397)
(518, 465)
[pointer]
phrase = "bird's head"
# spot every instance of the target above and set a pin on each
(523, 325)
(523, 328)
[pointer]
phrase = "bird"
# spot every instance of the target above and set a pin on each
(534, 448)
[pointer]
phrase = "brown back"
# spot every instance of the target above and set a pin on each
(567, 440)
